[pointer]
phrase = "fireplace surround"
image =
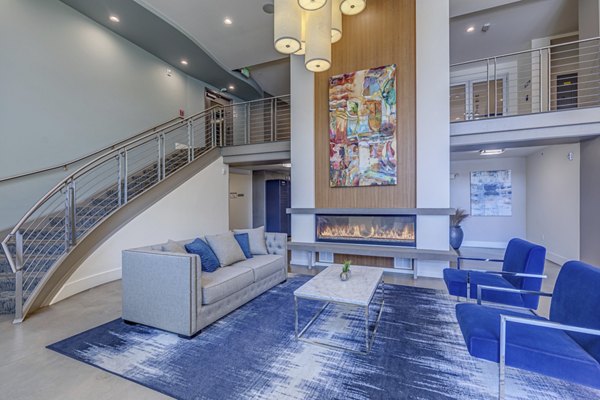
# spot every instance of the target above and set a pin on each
(381, 229)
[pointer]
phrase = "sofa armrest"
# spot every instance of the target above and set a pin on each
(160, 290)
(277, 244)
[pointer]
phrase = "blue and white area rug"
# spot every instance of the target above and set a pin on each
(418, 353)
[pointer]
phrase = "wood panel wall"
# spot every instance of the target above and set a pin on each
(383, 34)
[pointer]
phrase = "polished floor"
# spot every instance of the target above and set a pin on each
(29, 371)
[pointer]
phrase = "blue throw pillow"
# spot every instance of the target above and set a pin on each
(209, 260)
(244, 241)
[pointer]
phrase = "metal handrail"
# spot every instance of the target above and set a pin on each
(82, 200)
(85, 157)
(524, 51)
(550, 78)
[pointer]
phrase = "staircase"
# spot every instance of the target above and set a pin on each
(44, 237)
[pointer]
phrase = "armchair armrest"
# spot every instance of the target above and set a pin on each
(504, 319)
(507, 273)
(481, 288)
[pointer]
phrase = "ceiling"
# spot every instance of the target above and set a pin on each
(512, 26)
(462, 7)
(165, 41)
(508, 153)
(247, 41)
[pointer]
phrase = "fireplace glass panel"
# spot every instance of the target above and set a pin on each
(398, 230)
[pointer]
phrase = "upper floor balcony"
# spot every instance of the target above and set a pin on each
(551, 94)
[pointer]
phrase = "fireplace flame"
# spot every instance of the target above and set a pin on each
(361, 232)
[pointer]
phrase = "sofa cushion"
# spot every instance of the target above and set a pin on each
(244, 242)
(225, 282)
(226, 248)
(263, 265)
(173, 247)
(456, 281)
(208, 259)
(548, 351)
(256, 237)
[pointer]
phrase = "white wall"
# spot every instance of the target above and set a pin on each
(198, 207)
(490, 231)
(240, 199)
(553, 201)
(433, 131)
(69, 87)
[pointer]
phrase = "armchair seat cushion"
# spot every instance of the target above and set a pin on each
(456, 281)
(548, 351)
(263, 265)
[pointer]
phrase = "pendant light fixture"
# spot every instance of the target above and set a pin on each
(336, 21)
(318, 39)
(302, 50)
(311, 5)
(288, 26)
(353, 7)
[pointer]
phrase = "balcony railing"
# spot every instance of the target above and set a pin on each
(558, 77)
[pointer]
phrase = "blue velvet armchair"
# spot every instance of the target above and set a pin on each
(522, 268)
(565, 346)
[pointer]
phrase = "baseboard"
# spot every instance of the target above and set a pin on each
(556, 258)
(489, 245)
(78, 286)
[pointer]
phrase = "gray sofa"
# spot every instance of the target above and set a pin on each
(170, 291)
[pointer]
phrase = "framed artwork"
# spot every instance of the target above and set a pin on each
(362, 128)
(491, 193)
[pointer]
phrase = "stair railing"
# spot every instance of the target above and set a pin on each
(71, 209)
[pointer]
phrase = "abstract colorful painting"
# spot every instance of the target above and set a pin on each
(362, 128)
(491, 193)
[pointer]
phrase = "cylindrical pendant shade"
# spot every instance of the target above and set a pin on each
(311, 5)
(353, 7)
(318, 39)
(336, 21)
(302, 50)
(288, 26)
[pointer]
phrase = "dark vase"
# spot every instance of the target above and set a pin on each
(456, 236)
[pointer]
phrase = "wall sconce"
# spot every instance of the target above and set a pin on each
(169, 72)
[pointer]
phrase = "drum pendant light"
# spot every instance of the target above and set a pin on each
(318, 39)
(336, 21)
(311, 5)
(288, 26)
(353, 7)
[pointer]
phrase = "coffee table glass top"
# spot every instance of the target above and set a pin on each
(327, 285)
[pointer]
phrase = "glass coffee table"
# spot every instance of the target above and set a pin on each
(358, 291)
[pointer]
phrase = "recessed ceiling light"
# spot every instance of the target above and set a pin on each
(184, 62)
(227, 21)
(114, 18)
(471, 29)
(231, 87)
(491, 152)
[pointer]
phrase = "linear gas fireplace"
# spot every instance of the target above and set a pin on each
(395, 230)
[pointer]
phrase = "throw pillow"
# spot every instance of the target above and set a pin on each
(173, 247)
(226, 248)
(244, 242)
(208, 259)
(256, 236)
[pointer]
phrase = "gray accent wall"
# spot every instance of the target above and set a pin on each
(69, 87)
(590, 200)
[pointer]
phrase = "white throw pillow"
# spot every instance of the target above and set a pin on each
(226, 248)
(258, 245)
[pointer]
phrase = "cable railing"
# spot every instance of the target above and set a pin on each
(80, 202)
(552, 78)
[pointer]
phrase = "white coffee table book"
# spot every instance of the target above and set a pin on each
(357, 291)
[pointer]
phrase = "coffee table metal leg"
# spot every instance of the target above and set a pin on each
(296, 313)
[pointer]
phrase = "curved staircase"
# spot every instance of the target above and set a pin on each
(44, 238)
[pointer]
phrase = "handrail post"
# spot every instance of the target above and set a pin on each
(158, 163)
(222, 124)
(540, 83)
(273, 122)
(72, 214)
(247, 127)
(190, 141)
(120, 179)
(125, 179)
(19, 278)
(549, 77)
